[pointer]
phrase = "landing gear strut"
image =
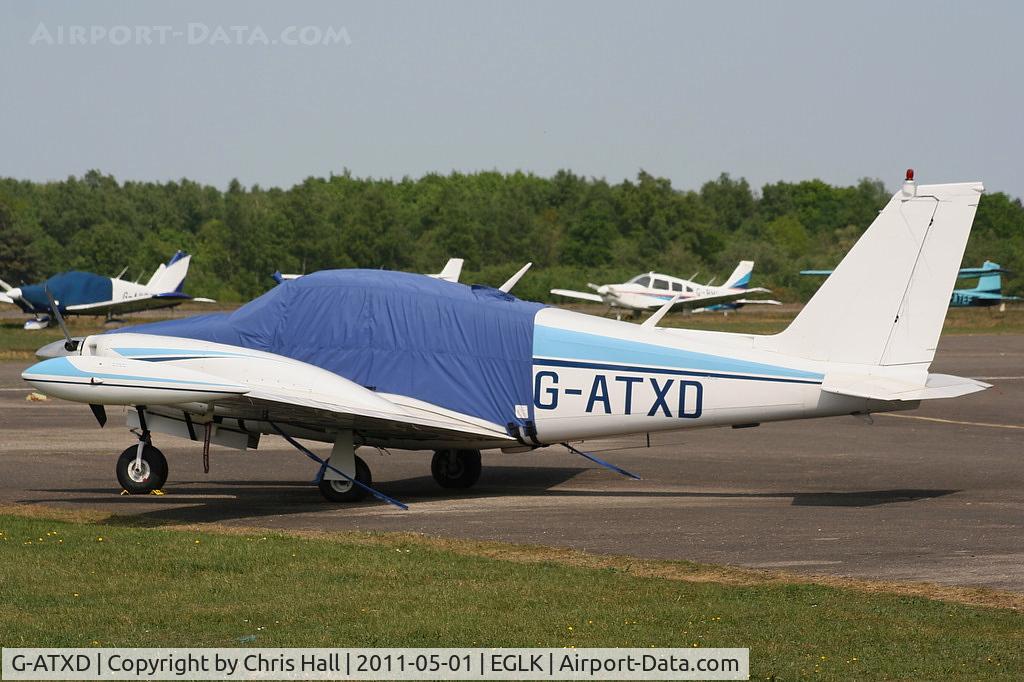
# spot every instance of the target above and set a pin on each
(456, 468)
(142, 468)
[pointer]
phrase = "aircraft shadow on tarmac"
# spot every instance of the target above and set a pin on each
(222, 500)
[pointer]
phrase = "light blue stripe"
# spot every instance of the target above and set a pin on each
(549, 342)
(62, 367)
(139, 352)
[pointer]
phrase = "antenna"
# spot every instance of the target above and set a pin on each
(655, 317)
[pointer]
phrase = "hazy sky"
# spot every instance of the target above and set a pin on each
(685, 90)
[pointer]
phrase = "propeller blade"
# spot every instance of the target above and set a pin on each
(70, 344)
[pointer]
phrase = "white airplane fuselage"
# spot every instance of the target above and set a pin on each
(636, 296)
(591, 377)
(598, 377)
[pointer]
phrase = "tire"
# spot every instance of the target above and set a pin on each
(153, 472)
(456, 468)
(344, 490)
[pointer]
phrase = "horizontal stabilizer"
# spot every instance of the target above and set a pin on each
(889, 388)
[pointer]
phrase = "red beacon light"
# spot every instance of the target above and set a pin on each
(909, 186)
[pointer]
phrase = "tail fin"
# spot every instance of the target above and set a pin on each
(886, 301)
(990, 284)
(452, 270)
(740, 277)
(171, 277)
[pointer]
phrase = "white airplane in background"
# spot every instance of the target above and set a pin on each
(398, 360)
(652, 290)
(86, 293)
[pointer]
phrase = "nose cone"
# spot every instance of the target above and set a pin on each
(603, 290)
(58, 349)
(14, 293)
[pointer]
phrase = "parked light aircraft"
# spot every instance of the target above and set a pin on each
(987, 292)
(389, 359)
(652, 290)
(86, 293)
(450, 273)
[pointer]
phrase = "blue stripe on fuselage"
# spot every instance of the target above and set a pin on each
(549, 342)
(63, 367)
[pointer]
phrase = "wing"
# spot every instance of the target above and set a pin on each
(4, 298)
(164, 300)
(730, 297)
(578, 294)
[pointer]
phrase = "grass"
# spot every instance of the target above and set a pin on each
(113, 584)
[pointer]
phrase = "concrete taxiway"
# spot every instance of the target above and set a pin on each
(931, 495)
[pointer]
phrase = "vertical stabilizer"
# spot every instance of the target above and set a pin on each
(170, 277)
(885, 303)
(740, 277)
(990, 284)
(451, 272)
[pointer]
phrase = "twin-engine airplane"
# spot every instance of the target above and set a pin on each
(986, 293)
(389, 359)
(86, 293)
(652, 290)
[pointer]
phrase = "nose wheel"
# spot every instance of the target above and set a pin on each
(456, 468)
(142, 475)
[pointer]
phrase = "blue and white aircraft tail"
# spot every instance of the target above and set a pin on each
(740, 277)
(987, 292)
(391, 359)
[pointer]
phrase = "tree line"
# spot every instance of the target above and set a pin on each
(574, 229)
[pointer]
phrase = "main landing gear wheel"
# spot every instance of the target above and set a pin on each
(456, 468)
(149, 475)
(344, 490)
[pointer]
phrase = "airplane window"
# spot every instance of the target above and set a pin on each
(689, 290)
(644, 281)
(660, 284)
(676, 286)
